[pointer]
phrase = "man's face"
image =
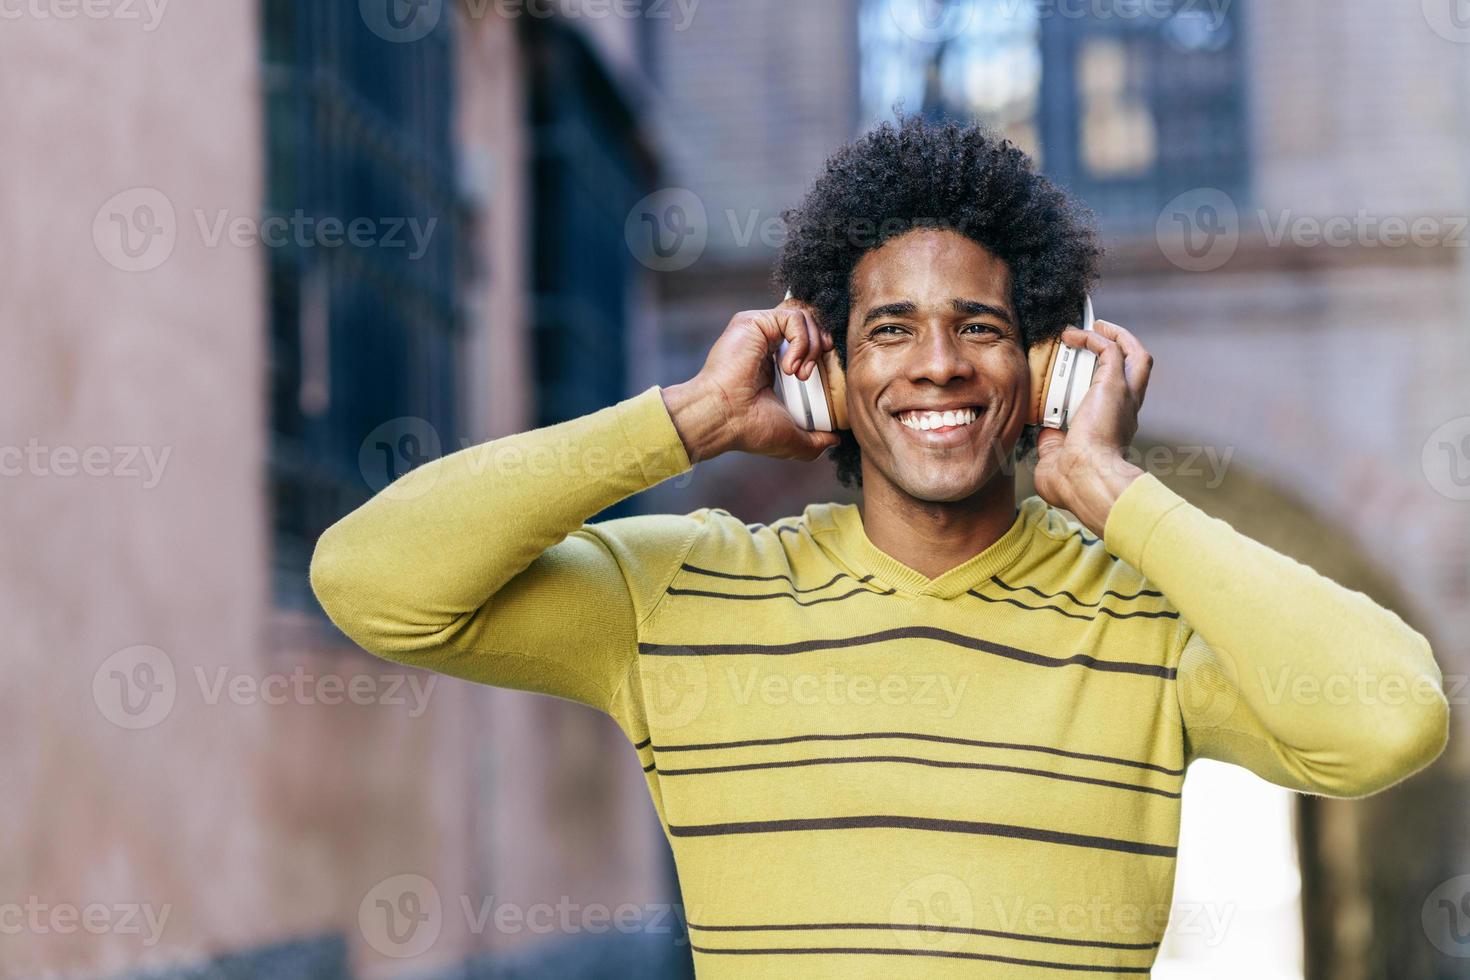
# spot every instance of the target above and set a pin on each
(931, 328)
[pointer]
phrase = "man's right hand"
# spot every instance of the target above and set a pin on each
(730, 403)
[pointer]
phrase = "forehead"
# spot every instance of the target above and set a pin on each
(930, 267)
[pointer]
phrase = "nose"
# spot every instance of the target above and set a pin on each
(938, 358)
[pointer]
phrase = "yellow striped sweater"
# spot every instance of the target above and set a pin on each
(862, 771)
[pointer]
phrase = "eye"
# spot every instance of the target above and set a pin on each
(886, 326)
(984, 326)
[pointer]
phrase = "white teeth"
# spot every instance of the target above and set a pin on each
(924, 421)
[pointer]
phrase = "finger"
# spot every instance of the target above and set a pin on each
(1109, 354)
(1086, 339)
(791, 326)
(1138, 362)
(814, 335)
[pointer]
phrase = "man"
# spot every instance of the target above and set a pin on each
(938, 735)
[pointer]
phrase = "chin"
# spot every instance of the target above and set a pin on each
(945, 488)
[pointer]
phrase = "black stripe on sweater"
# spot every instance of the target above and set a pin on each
(770, 578)
(775, 595)
(872, 951)
(1102, 611)
(920, 737)
(904, 633)
(1142, 594)
(935, 824)
(912, 760)
(920, 927)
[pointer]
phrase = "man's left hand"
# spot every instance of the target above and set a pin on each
(1084, 469)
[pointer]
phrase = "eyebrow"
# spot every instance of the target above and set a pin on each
(970, 307)
(964, 307)
(904, 309)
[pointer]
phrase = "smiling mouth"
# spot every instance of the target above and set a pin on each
(926, 421)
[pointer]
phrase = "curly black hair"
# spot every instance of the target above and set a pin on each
(962, 177)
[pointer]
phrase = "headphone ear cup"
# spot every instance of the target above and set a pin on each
(1041, 358)
(834, 385)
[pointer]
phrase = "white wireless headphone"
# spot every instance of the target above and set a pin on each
(1070, 377)
(813, 403)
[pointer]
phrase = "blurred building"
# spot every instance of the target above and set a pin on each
(209, 362)
(268, 257)
(1282, 190)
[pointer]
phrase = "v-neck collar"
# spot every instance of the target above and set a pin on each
(840, 526)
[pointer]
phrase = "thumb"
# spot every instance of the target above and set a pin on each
(1049, 441)
(820, 442)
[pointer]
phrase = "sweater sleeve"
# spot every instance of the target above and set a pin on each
(1307, 683)
(480, 565)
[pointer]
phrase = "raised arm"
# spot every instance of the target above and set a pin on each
(481, 565)
(1308, 684)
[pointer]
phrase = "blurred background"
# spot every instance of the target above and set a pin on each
(266, 256)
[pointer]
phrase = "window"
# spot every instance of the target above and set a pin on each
(364, 327)
(1139, 110)
(1127, 104)
(964, 58)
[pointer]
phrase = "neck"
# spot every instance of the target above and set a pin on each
(932, 538)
